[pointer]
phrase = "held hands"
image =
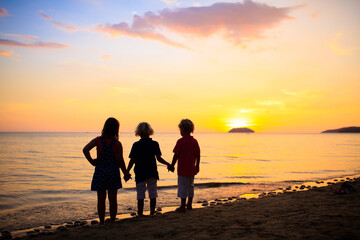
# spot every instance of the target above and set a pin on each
(171, 168)
(127, 176)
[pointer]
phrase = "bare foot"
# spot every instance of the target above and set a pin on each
(180, 209)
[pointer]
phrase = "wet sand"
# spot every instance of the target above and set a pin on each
(314, 214)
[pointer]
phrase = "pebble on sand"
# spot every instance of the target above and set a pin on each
(6, 235)
(62, 228)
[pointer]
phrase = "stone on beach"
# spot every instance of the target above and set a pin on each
(94, 222)
(62, 228)
(6, 235)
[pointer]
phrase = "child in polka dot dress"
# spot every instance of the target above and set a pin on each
(107, 175)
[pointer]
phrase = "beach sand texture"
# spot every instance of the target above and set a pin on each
(315, 214)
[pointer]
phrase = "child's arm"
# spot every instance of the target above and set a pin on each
(131, 163)
(175, 158)
(120, 159)
(86, 151)
(161, 160)
(198, 163)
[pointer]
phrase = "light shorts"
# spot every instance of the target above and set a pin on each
(151, 185)
(185, 186)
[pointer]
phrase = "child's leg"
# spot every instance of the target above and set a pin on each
(140, 189)
(113, 204)
(152, 206)
(182, 192)
(183, 203)
(189, 203)
(190, 192)
(152, 189)
(101, 205)
(140, 207)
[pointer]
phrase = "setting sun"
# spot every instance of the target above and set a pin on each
(237, 123)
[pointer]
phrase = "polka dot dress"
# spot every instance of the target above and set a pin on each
(107, 173)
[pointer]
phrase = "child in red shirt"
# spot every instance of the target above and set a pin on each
(187, 153)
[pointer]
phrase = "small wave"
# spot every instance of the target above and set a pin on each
(262, 160)
(317, 172)
(199, 185)
(71, 157)
(247, 177)
(32, 151)
(294, 181)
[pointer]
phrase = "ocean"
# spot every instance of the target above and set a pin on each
(45, 179)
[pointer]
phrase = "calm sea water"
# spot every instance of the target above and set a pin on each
(45, 179)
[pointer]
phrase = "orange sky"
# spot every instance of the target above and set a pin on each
(274, 66)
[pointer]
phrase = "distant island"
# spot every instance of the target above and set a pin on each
(241, 130)
(344, 130)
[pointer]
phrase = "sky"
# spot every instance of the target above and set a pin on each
(275, 66)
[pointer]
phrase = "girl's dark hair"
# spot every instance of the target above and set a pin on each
(111, 128)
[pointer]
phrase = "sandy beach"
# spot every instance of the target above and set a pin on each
(318, 213)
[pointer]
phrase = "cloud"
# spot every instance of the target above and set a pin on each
(124, 29)
(8, 54)
(44, 16)
(18, 35)
(336, 48)
(61, 25)
(37, 44)
(106, 57)
(247, 110)
(270, 102)
(3, 12)
(286, 92)
(236, 22)
(171, 2)
(65, 26)
(302, 94)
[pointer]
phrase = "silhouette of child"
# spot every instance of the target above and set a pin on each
(107, 175)
(144, 154)
(187, 153)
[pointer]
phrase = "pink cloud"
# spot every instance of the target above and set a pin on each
(18, 35)
(44, 16)
(124, 29)
(236, 22)
(38, 44)
(8, 54)
(65, 26)
(57, 24)
(3, 12)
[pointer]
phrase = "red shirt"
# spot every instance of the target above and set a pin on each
(188, 149)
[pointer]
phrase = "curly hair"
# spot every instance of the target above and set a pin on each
(186, 125)
(144, 129)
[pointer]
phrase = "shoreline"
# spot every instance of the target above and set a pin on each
(73, 227)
